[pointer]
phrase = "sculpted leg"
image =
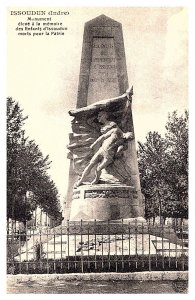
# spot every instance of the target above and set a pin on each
(87, 170)
(100, 167)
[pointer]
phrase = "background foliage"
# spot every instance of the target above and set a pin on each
(163, 166)
(26, 171)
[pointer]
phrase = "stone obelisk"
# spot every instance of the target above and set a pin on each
(103, 75)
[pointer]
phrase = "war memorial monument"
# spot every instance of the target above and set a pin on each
(104, 229)
(104, 181)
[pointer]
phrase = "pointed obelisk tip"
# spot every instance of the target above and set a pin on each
(103, 20)
(129, 92)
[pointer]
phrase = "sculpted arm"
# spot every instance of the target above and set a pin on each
(101, 138)
(104, 103)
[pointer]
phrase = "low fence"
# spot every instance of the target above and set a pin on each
(97, 247)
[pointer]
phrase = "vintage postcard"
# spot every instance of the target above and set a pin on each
(97, 149)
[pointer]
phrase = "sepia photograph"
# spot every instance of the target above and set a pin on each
(97, 125)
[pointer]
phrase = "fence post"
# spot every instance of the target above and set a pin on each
(122, 247)
(47, 251)
(136, 256)
(169, 248)
(163, 262)
(68, 242)
(129, 245)
(182, 252)
(19, 249)
(75, 247)
(156, 241)
(88, 262)
(81, 228)
(95, 244)
(54, 244)
(40, 248)
(108, 245)
(149, 257)
(176, 264)
(116, 257)
(102, 238)
(142, 245)
(12, 248)
(61, 249)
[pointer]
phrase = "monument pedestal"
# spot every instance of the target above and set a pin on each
(104, 202)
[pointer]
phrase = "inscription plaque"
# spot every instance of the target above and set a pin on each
(103, 70)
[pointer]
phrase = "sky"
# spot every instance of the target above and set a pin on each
(43, 73)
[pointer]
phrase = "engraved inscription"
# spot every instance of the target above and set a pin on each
(107, 66)
(106, 194)
(103, 46)
(103, 78)
(104, 59)
(104, 66)
(98, 28)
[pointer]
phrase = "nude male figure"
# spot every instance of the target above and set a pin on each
(112, 143)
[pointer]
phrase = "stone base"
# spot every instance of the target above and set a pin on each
(104, 202)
